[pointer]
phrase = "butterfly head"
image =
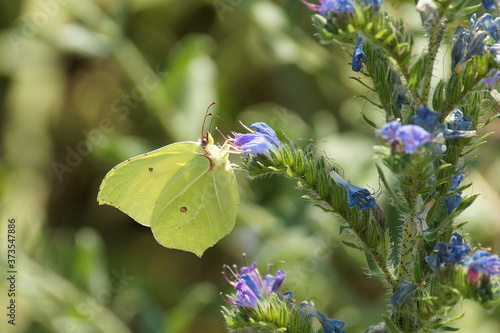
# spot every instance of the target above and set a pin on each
(206, 139)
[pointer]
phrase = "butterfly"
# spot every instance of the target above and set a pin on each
(186, 192)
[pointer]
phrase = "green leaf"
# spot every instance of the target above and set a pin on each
(372, 265)
(351, 245)
(368, 121)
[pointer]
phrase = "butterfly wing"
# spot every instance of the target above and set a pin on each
(135, 185)
(198, 205)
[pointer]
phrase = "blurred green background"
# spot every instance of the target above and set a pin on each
(86, 84)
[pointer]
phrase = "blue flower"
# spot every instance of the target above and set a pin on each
(470, 42)
(488, 4)
(358, 55)
(326, 6)
(262, 140)
(495, 51)
(490, 24)
(410, 137)
(251, 286)
(268, 132)
(484, 262)
(458, 122)
(445, 255)
(467, 44)
(329, 325)
(355, 195)
(451, 202)
(404, 292)
(429, 120)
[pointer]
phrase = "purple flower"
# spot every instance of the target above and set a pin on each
(410, 137)
(494, 76)
(483, 262)
(355, 195)
(251, 286)
(247, 293)
(358, 55)
(390, 130)
(326, 6)
(455, 252)
(262, 140)
(488, 4)
(338, 6)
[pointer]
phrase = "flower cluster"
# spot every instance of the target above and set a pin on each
(457, 253)
(260, 293)
(426, 128)
(261, 140)
(471, 42)
(251, 286)
(447, 254)
(457, 126)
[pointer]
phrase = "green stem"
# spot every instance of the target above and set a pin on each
(436, 36)
(408, 246)
(409, 241)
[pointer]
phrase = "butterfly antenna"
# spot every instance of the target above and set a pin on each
(204, 137)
